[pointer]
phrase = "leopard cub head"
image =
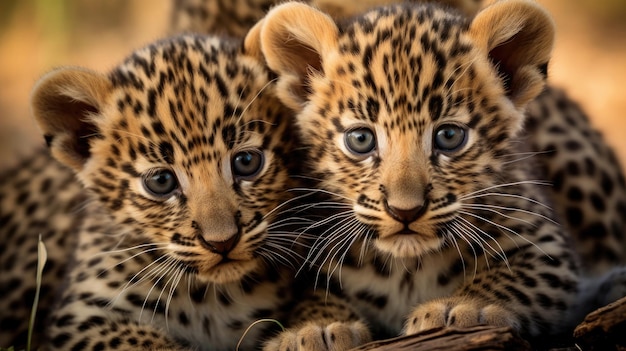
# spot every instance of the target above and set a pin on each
(183, 146)
(407, 110)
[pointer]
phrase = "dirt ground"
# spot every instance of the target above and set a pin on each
(589, 61)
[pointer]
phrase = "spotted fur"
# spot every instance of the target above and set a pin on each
(36, 193)
(411, 117)
(588, 187)
(236, 17)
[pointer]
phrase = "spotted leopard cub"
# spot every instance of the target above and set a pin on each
(184, 152)
(410, 116)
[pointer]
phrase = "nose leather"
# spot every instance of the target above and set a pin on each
(221, 247)
(405, 216)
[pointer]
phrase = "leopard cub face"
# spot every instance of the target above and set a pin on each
(175, 144)
(409, 114)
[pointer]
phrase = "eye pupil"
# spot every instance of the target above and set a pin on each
(247, 164)
(360, 141)
(450, 137)
(161, 182)
(162, 178)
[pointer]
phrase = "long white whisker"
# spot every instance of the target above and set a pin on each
(254, 98)
(354, 233)
(178, 275)
(533, 182)
(172, 267)
(130, 258)
(510, 231)
(154, 245)
(459, 232)
(515, 196)
(323, 191)
(451, 237)
(478, 237)
(525, 156)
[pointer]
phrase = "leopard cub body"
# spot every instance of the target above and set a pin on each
(412, 119)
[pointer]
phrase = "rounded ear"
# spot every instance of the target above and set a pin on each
(252, 42)
(518, 36)
(64, 103)
(295, 40)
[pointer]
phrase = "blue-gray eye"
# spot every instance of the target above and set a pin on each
(161, 182)
(450, 137)
(360, 141)
(247, 164)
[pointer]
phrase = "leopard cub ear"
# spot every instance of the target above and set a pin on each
(517, 36)
(296, 40)
(64, 103)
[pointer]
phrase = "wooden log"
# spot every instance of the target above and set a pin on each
(453, 339)
(604, 328)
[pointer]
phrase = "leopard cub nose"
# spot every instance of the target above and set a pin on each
(220, 247)
(216, 246)
(405, 216)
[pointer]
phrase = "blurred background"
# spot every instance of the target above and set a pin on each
(37, 35)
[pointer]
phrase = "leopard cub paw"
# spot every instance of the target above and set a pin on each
(458, 312)
(337, 336)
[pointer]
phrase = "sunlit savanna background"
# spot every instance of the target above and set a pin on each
(37, 35)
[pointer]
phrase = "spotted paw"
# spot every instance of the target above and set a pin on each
(336, 336)
(458, 312)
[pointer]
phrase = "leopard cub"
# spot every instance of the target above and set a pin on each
(164, 208)
(410, 116)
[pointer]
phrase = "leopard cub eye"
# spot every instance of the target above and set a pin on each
(360, 141)
(160, 182)
(247, 164)
(450, 137)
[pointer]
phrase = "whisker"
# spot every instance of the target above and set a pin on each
(345, 248)
(450, 236)
(344, 217)
(154, 245)
(477, 234)
(128, 259)
(323, 191)
(459, 229)
(285, 203)
(492, 208)
(179, 274)
(532, 182)
(508, 230)
(525, 156)
(269, 83)
(132, 282)
(171, 266)
(508, 195)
